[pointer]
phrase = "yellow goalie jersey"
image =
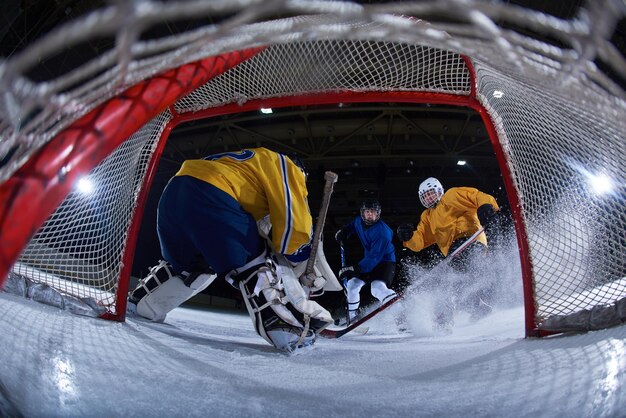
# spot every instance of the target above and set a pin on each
(454, 217)
(264, 183)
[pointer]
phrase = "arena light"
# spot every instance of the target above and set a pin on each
(601, 184)
(85, 186)
(461, 162)
(266, 110)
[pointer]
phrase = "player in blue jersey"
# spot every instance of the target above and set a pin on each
(208, 225)
(378, 265)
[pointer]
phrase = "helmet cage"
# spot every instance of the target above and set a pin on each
(430, 192)
(372, 205)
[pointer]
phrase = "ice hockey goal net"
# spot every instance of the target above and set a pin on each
(547, 89)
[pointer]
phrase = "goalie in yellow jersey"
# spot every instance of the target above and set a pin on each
(449, 220)
(210, 222)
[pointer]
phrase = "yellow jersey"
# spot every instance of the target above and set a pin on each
(264, 183)
(452, 218)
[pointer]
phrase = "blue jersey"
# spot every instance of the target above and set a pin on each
(376, 241)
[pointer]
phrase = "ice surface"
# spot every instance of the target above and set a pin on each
(211, 363)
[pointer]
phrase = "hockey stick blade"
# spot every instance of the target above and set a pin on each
(336, 333)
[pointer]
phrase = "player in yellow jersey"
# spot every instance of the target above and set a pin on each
(449, 220)
(207, 222)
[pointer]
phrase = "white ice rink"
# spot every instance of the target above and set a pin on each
(211, 363)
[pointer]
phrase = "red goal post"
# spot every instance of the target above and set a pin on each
(83, 245)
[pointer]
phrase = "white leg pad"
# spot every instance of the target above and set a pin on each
(298, 297)
(267, 284)
(169, 295)
(380, 290)
(283, 338)
(284, 294)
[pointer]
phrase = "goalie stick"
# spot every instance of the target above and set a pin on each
(331, 179)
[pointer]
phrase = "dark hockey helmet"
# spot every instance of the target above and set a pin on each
(373, 206)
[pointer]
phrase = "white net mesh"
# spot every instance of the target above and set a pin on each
(315, 67)
(575, 237)
(558, 117)
(78, 251)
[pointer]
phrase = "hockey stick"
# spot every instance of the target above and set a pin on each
(331, 179)
(456, 252)
(342, 253)
(344, 281)
(336, 333)
(466, 244)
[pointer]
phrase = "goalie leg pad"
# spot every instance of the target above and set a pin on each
(291, 320)
(161, 291)
(171, 294)
(270, 325)
(266, 284)
(297, 296)
(248, 270)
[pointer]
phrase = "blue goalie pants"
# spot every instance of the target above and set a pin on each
(200, 225)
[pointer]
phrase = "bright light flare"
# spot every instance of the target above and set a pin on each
(600, 183)
(461, 162)
(85, 186)
(266, 110)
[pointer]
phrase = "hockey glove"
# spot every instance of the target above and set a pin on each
(486, 215)
(405, 232)
(349, 272)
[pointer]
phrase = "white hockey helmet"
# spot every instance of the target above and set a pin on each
(430, 192)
